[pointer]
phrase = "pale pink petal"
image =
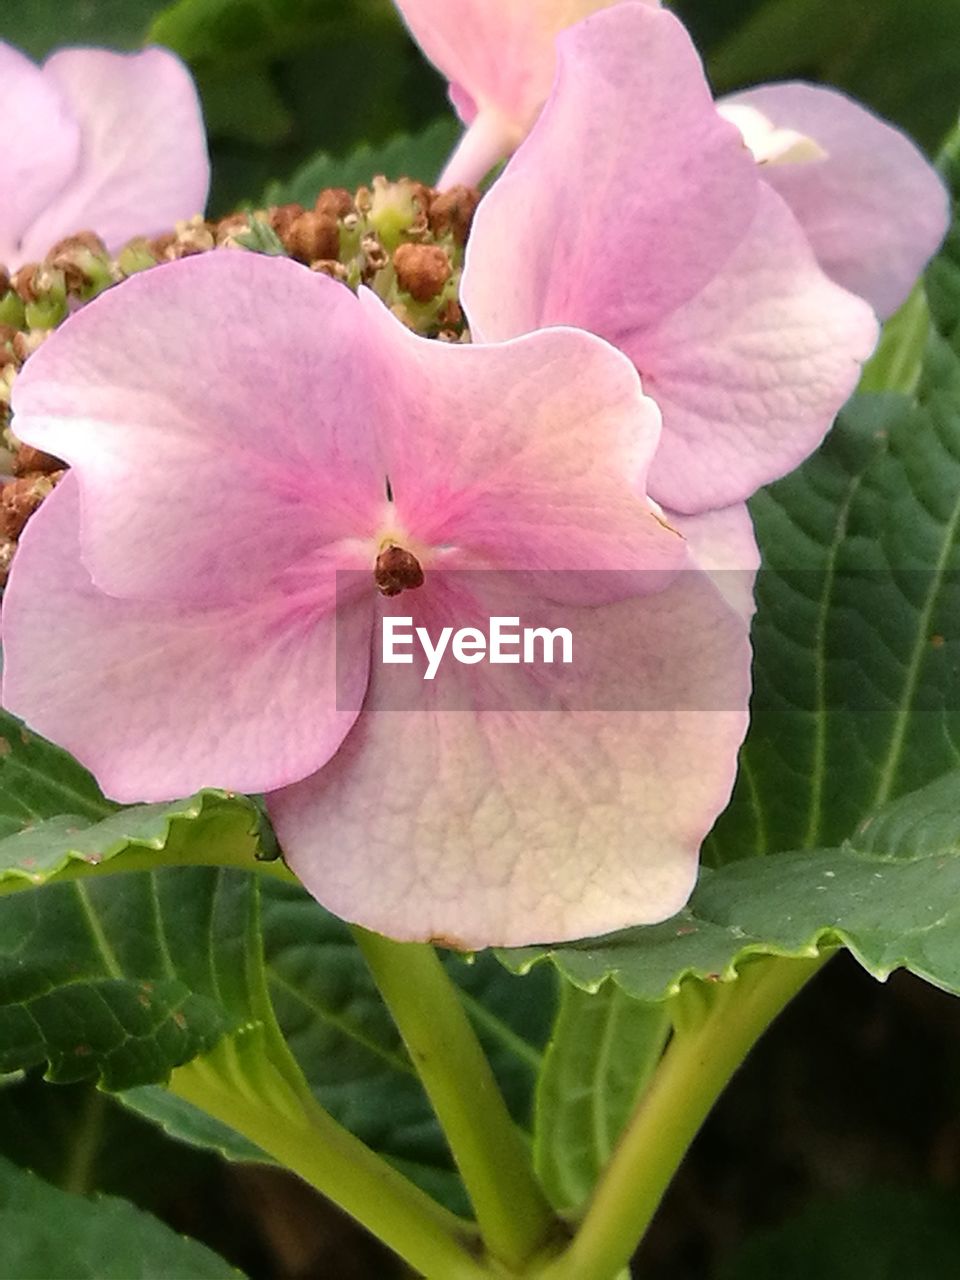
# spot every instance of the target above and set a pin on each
(499, 55)
(724, 544)
(750, 374)
(143, 162)
(220, 413)
(873, 208)
(626, 198)
(40, 152)
(172, 699)
(510, 826)
(531, 454)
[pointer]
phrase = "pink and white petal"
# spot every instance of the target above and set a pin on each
(626, 198)
(498, 54)
(211, 456)
(750, 374)
(173, 699)
(143, 161)
(511, 826)
(724, 544)
(41, 149)
(530, 454)
(873, 208)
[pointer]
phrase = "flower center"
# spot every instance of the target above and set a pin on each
(397, 570)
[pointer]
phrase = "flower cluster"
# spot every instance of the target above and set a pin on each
(264, 465)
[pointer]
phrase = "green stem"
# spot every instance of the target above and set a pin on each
(708, 1045)
(300, 1135)
(513, 1214)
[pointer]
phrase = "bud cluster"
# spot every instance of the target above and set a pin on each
(401, 239)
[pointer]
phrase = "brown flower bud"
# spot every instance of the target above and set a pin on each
(282, 216)
(312, 236)
(24, 282)
(335, 202)
(330, 267)
(397, 570)
(422, 269)
(20, 498)
(453, 211)
(27, 459)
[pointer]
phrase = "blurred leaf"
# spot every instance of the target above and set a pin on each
(40, 26)
(900, 59)
(870, 1235)
(258, 29)
(243, 104)
(78, 1138)
(602, 1052)
(45, 1232)
(420, 157)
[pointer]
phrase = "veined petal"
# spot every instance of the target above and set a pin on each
(41, 149)
(143, 162)
(627, 197)
(873, 208)
(750, 374)
(531, 454)
(220, 415)
(160, 700)
(448, 816)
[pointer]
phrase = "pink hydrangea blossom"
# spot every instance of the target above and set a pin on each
(198, 603)
(633, 210)
(871, 205)
(97, 141)
(499, 58)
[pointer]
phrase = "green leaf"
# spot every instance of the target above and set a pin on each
(38, 780)
(875, 1232)
(188, 1124)
(857, 667)
(418, 156)
(891, 895)
(120, 980)
(602, 1053)
(45, 1232)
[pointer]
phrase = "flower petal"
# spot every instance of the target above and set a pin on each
(873, 208)
(41, 148)
(531, 454)
(174, 699)
(723, 542)
(143, 163)
(750, 374)
(506, 826)
(498, 55)
(212, 456)
(626, 198)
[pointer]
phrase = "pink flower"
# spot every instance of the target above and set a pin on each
(499, 58)
(97, 141)
(241, 429)
(872, 208)
(633, 210)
